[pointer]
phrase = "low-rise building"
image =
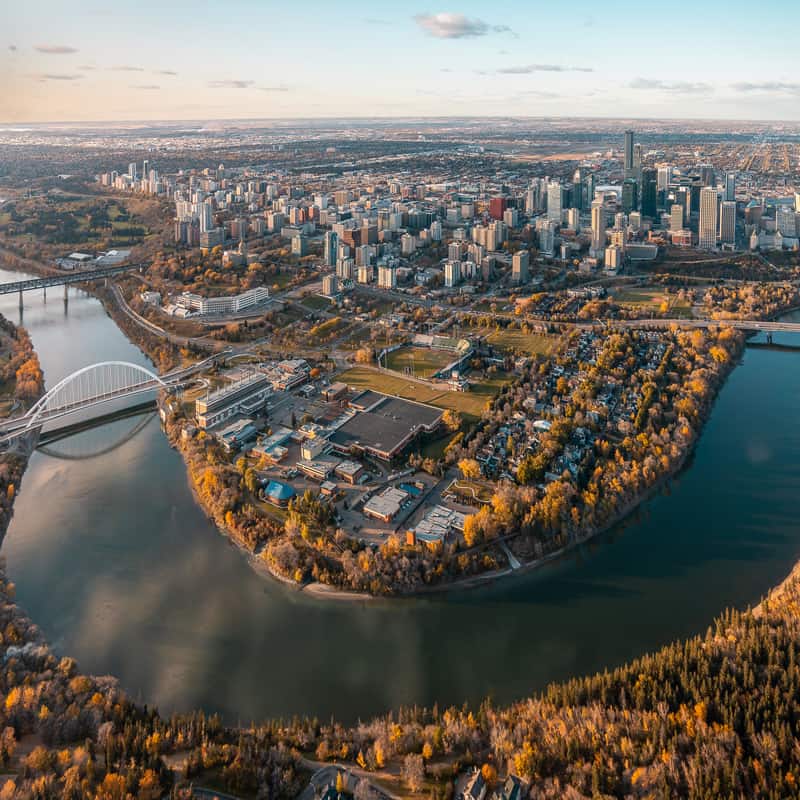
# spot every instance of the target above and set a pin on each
(278, 493)
(237, 434)
(334, 391)
(195, 304)
(349, 471)
(386, 505)
(476, 787)
(318, 469)
(438, 524)
(247, 396)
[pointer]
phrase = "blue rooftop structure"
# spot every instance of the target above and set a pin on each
(279, 493)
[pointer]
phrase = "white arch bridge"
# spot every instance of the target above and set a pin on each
(91, 387)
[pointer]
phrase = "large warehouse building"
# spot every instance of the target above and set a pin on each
(385, 425)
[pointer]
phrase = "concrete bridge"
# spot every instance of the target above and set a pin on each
(65, 279)
(767, 326)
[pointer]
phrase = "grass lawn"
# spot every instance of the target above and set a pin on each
(639, 296)
(473, 490)
(470, 404)
(281, 280)
(434, 448)
(652, 299)
(681, 309)
(525, 343)
(327, 331)
(425, 361)
(317, 302)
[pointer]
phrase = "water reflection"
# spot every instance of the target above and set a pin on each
(114, 560)
(71, 447)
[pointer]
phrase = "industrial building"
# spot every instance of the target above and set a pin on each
(385, 425)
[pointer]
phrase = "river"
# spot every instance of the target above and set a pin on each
(118, 566)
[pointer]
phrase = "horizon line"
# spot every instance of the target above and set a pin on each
(431, 117)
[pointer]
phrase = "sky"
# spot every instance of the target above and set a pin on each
(175, 59)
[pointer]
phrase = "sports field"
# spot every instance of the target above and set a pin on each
(652, 299)
(423, 362)
(470, 404)
(523, 343)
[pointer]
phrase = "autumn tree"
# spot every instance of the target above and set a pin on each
(413, 771)
(469, 468)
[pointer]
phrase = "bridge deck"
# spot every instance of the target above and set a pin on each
(66, 278)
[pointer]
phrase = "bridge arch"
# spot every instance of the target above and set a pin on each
(95, 383)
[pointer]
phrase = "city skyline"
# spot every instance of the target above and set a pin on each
(264, 61)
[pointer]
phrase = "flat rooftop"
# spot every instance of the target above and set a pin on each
(388, 424)
(387, 504)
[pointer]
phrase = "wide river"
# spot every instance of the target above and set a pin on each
(119, 567)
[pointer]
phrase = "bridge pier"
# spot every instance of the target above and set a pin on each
(20, 299)
(44, 293)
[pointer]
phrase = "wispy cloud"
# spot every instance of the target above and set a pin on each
(145, 86)
(376, 21)
(527, 69)
(55, 49)
(274, 88)
(56, 76)
(12, 48)
(676, 87)
(165, 72)
(766, 86)
(127, 68)
(539, 93)
(447, 25)
(230, 84)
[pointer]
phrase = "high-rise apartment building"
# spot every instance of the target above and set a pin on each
(497, 205)
(520, 265)
(709, 218)
(786, 221)
(676, 217)
(452, 273)
(547, 237)
(555, 193)
(727, 222)
(206, 217)
(331, 243)
(531, 200)
(730, 186)
(511, 217)
(707, 175)
(387, 276)
(598, 225)
(573, 219)
(649, 193)
(630, 195)
(628, 154)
